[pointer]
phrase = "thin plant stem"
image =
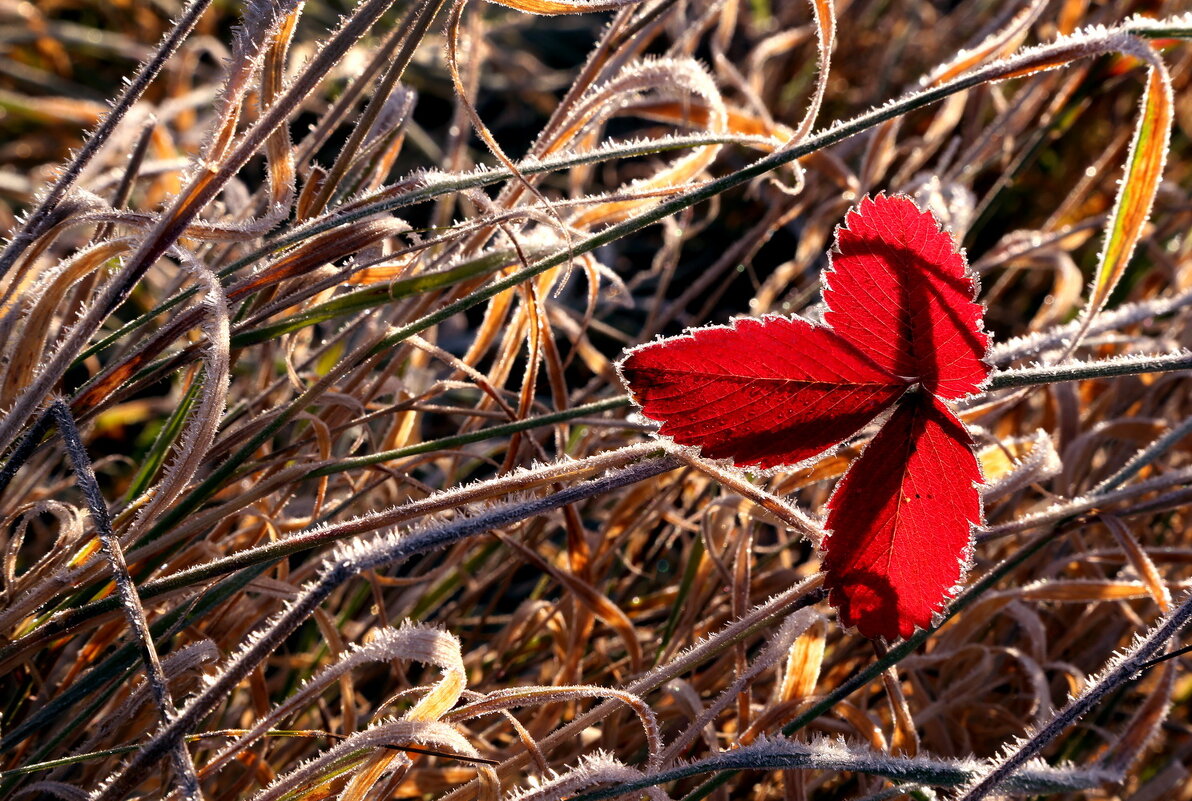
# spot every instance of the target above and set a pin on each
(1144, 457)
(414, 29)
(893, 656)
(260, 557)
(1082, 371)
(125, 587)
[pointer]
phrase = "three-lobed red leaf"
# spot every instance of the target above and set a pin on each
(903, 331)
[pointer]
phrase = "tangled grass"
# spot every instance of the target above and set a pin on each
(318, 477)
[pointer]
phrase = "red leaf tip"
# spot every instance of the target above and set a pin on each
(899, 289)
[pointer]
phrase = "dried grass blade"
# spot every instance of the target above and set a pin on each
(414, 28)
(173, 222)
(1146, 721)
(678, 80)
(385, 735)
(434, 705)
(593, 599)
(1012, 464)
(339, 567)
(777, 646)
(1143, 565)
(411, 642)
(278, 150)
(1128, 746)
(825, 31)
(478, 124)
(24, 346)
(1082, 590)
(788, 514)
(513, 697)
(200, 432)
(997, 45)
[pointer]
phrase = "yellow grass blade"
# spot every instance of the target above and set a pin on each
(1140, 183)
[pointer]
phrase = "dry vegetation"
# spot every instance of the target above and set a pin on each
(318, 478)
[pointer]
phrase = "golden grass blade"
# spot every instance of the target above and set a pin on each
(999, 44)
(825, 31)
(25, 345)
(1084, 591)
(1140, 561)
(1139, 183)
(1144, 725)
(555, 7)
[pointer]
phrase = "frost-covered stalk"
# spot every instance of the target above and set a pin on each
(1067, 510)
(133, 610)
(1144, 457)
(775, 649)
(1084, 44)
(387, 733)
(415, 642)
(205, 184)
(412, 32)
(834, 756)
(1081, 371)
(204, 423)
(255, 558)
(1036, 343)
(760, 618)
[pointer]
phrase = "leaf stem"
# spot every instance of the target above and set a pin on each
(1080, 371)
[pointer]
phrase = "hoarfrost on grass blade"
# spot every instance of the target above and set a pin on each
(835, 755)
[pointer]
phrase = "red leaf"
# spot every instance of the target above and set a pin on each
(763, 392)
(901, 292)
(775, 391)
(900, 521)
